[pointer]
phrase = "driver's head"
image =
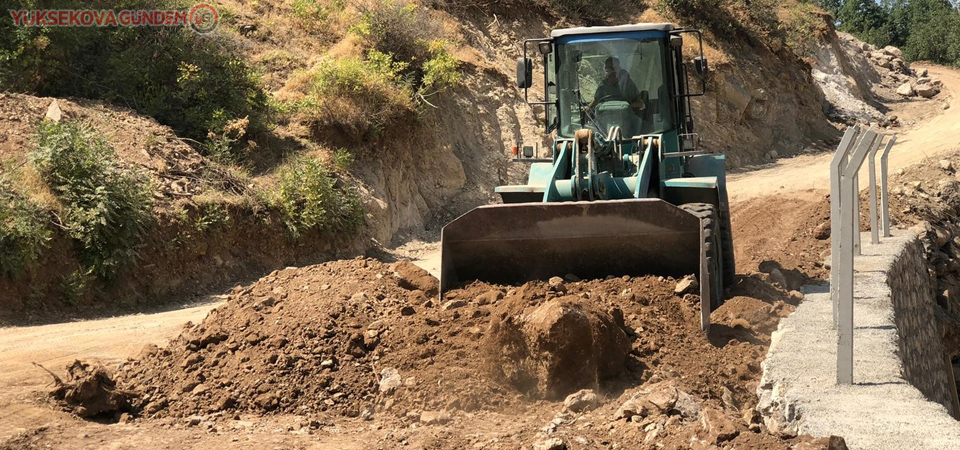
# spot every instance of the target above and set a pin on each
(612, 67)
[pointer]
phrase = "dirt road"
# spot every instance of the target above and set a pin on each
(53, 346)
(112, 340)
(810, 172)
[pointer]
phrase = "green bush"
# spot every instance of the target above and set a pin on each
(310, 200)
(408, 34)
(105, 207)
(359, 97)
(923, 29)
(23, 231)
(343, 159)
(195, 84)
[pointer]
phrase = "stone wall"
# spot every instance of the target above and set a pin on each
(920, 349)
(900, 396)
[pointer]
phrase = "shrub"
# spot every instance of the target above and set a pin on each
(803, 25)
(343, 159)
(23, 232)
(105, 206)
(195, 84)
(358, 97)
(409, 34)
(310, 200)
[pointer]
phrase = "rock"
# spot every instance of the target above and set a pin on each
(581, 401)
(556, 283)
(560, 347)
(927, 90)
(407, 310)
(892, 51)
(488, 297)
(717, 426)
(922, 72)
(837, 442)
(550, 444)
(657, 398)
(905, 90)
(367, 413)
(688, 285)
(687, 405)
(434, 417)
(776, 277)
(822, 231)
(54, 114)
(631, 408)
(412, 278)
(943, 236)
(945, 164)
(453, 304)
(795, 296)
(923, 80)
(390, 380)
(772, 154)
(662, 396)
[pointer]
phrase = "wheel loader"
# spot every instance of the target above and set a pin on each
(625, 189)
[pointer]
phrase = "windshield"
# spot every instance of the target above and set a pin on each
(621, 81)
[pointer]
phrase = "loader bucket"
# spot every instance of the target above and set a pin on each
(520, 242)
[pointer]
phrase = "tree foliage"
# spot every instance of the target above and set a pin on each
(923, 29)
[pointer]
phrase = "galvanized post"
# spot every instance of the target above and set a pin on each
(884, 197)
(836, 168)
(872, 164)
(847, 223)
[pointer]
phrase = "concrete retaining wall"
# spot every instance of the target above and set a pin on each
(901, 394)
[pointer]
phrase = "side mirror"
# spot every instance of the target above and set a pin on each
(700, 66)
(524, 73)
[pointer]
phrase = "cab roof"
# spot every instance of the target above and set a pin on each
(667, 27)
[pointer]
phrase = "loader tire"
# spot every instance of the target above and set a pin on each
(726, 247)
(710, 222)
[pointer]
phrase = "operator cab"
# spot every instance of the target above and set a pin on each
(612, 79)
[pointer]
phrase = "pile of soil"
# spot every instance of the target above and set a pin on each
(363, 338)
(335, 337)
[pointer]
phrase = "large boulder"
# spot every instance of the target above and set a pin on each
(906, 90)
(926, 90)
(556, 348)
(893, 51)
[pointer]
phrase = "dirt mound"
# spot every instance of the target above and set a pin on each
(342, 337)
(89, 392)
(346, 337)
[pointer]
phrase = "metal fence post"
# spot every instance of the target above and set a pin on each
(850, 194)
(884, 197)
(872, 164)
(836, 168)
(856, 212)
